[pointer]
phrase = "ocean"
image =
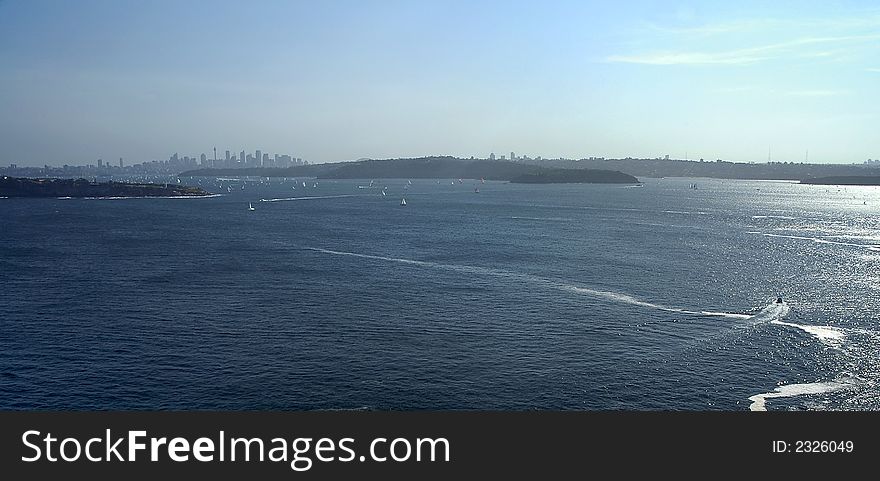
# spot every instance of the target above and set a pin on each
(330, 295)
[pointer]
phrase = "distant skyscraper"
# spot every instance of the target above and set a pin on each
(258, 158)
(512, 155)
(242, 157)
(227, 156)
(492, 156)
(120, 162)
(100, 162)
(204, 159)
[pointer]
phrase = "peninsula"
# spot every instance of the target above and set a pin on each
(436, 168)
(575, 176)
(844, 180)
(24, 187)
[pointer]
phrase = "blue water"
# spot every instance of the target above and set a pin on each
(516, 297)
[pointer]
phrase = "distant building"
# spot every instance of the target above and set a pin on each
(120, 163)
(258, 158)
(492, 156)
(204, 159)
(502, 157)
(512, 155)
(100, 162)
(227, 157)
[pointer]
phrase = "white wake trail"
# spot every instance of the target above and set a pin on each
(549, 283)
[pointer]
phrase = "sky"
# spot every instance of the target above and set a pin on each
(342, 80)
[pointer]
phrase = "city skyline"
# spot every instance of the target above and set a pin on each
(791, 81)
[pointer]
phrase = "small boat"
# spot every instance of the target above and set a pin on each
(402, 201)
(476, 190)
(779, 300)
(251, 206)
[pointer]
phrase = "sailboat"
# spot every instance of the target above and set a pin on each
(250, 206)
(403, 201)
(476, 190)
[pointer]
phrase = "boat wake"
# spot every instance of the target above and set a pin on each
(772, 313)
(759, 401)
(819, 240)
(828, 335)
(567, 287)
(549, 219)
(286, 199)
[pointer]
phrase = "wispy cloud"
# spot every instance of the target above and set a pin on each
(866, 20)
(740, 56)
(816, 93)
(687, 58)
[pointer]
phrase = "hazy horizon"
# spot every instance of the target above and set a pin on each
(346, 80)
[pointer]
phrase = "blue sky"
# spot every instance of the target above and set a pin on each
(339, 80)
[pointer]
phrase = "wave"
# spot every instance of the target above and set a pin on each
(285, 199)
(554, 219)
(819, 240)
(791, 390)
(684, 212)
(618, 297)
(773, 217)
